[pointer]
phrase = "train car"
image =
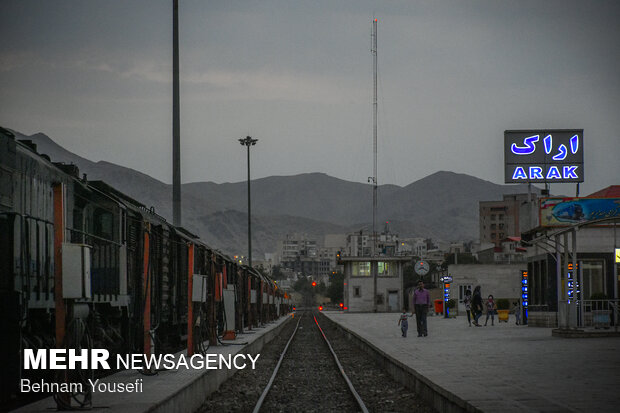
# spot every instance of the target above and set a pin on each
(83, 265)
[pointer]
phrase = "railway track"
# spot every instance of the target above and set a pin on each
(309, 380)
(309, 352)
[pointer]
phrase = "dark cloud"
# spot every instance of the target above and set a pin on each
(96, 76)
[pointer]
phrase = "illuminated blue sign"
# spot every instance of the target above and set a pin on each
(524, 294)
(543, 156)
(572, 285)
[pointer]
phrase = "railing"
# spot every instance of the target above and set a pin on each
(597, 314)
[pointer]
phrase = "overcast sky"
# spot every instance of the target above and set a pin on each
(96, 76)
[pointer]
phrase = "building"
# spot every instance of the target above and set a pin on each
(374, 284)
(362, 245)
(500, 219)
(304, 256)
(358, 245)
(499, 280)
(296, 246)
(510, 251)
(580, 233)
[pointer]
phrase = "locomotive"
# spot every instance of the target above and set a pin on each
(83, 265)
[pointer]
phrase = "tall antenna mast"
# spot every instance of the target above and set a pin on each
(374, 137)
(373, 265)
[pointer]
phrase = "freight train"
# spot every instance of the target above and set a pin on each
(83, 265)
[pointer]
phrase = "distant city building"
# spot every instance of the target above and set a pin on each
(387, 244)
(501, 219)
(510, 251)
(358, 245)
(296, 246)
(304, 256)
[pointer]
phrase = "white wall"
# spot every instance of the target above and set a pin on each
(502, 281)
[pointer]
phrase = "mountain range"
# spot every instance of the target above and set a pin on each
(442, 206)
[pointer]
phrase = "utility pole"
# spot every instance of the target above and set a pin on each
(248, 141)
(374, 138)
(176, 132)
(373, 265)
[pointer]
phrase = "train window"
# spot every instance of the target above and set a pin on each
(104, 224)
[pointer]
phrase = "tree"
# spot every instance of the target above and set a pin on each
(277, 273)
(303, 285)
(410, 280)
(336, 287)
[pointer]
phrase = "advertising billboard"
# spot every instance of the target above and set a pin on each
(561, 212)
(544, 155)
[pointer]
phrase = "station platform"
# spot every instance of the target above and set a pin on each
(500, 368)
(182, 390)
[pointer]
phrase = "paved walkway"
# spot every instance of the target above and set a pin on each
(172, 390)
(501, 368)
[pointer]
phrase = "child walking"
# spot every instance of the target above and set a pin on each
(490, 310)
(404, 323)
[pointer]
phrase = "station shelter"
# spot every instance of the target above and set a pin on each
(581, 234)
(374, 284)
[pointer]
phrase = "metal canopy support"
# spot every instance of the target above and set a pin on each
(575, 275)
(558, 271)
(615, 284)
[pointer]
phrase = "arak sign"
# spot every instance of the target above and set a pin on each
(545, 155)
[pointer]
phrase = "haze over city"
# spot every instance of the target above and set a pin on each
(96, 77)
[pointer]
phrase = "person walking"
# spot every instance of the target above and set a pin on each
(404, 323)
(476, 303)
(467, 303)
(491, 307)
(517, 306)
(421, 302)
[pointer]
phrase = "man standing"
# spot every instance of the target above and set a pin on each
(421, 302)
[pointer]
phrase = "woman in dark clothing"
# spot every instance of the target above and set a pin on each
(467, 303)
(476, 305)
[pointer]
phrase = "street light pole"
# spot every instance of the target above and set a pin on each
(176, 121)
(248, 141)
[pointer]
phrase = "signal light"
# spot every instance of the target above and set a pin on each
(320, 308)
(314, 283)
(346, 308)
(341, 305)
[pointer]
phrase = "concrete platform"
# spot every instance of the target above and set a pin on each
(501, 368)
(181, 390)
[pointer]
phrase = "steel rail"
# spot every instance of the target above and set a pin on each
(262, 397)
(358, 399)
